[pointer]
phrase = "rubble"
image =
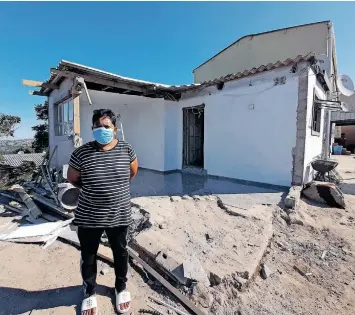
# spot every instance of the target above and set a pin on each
(293, 197)
(265, 271)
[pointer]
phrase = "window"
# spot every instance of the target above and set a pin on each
(64, 118)
(316, 117)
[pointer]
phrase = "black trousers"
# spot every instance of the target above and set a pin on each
(89, 242)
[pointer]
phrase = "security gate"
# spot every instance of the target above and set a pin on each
(193, 136)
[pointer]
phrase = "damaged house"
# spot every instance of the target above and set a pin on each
(257, 112)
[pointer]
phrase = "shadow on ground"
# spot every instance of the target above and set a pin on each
(18, 301)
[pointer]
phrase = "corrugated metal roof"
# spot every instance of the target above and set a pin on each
(78, 68)
(16, 160)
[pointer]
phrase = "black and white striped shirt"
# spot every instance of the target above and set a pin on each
(105, 199)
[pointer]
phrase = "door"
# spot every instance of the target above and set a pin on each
(193, 136)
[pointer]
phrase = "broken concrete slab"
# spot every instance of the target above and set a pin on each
(227, 248)
(193, 270)
(165, 260)
(325, 193)
(293, 197)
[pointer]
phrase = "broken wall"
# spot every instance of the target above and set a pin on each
(314, 141)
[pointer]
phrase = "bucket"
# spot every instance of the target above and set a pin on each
(68, 196)
(337, 149)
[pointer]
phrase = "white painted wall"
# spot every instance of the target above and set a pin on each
(65, 146)
(314, 142)
(143, 123)
(250, 52)
(254, 145)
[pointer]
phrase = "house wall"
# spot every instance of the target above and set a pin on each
(64, 145)
(143, 122)
(344, 116)
(243, 143)
(254, 51)
(314, 142)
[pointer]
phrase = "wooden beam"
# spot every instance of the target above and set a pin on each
(76, 127)
(40, 84)
(38, 93)
(102, 81)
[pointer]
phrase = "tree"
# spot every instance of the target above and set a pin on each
(41, 140)
(8, 124)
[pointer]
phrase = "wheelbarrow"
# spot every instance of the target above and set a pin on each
(325, 171)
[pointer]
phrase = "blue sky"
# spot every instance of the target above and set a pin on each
(160, 42)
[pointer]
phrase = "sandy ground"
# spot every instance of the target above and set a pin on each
(37, 281)
(311, 270)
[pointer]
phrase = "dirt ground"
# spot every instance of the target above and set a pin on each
(47, 281)
(310, 270)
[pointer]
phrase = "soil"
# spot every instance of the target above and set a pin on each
(308, 268)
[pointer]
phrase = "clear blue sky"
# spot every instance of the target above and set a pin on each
(161, 42)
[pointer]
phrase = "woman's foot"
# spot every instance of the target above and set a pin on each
(89, 306)
(123, 301)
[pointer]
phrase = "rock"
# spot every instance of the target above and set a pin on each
(198, 198)
(14, 204)
(214, 279)
(265, 272)
(295, 219)
(186, 197)
(104, 271)
(162, 226)
(175, 198)
(281, 245)
(2, 209)
(193, 270)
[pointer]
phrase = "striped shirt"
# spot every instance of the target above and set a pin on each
(105, 198)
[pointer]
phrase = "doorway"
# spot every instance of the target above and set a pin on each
(193, 136)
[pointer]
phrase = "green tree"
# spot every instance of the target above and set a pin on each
(8, 125)
(41, 140)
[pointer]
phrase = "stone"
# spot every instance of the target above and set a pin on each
(265, 272)
(198, 198)
(175, 198)
(193, 270)
(186, 197)
(214, 279)
(104, 271)
(293, 197)
(2, 209)
(162, 226)
(295, 219)
(165, 260)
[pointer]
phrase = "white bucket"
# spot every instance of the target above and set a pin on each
(68, 196)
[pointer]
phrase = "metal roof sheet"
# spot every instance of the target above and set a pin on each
(16, 160)
(75, 67)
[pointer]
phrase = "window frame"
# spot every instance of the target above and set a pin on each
(64, 126)
(316, 119)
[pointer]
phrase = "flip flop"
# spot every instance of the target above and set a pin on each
(88, 304)
(121, 298)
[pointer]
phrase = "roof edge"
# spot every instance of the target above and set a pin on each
(257, 34)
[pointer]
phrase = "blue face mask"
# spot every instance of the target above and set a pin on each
(103, 135)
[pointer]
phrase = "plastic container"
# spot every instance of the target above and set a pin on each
(337, 149)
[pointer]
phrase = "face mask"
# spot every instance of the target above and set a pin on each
(103, 135)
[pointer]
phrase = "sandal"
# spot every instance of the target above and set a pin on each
(122, 298)
(88, 304)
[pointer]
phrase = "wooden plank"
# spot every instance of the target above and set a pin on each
(103, 81)
(40, 84)
(76, 127)
(105, 253)
(38, 93)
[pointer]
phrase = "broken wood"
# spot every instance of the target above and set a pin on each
(76, 110)
(27, 200)
(116, 83)
(168, 306)
(106, 254)
(40, 84)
